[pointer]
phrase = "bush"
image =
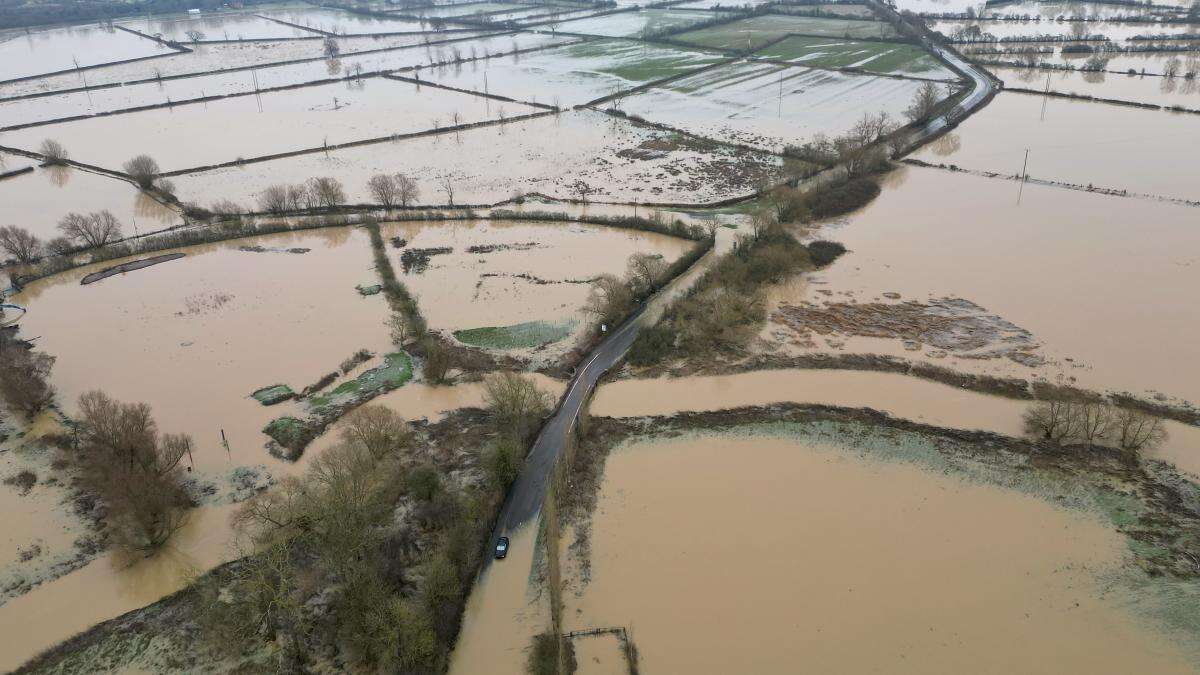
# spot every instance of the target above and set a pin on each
(652, 345)
(23, 376)
(424, 483)
(504, 463)
(824, 252)
(53, 152)
(516, 405)
(836, 200)
(143, 169)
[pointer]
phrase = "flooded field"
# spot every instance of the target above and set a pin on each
(552, 155)
(1101, 322)
(38, 200)
(795, 579)
(217, 26)
(1144, 63)
(180, 137)
(1162, 91)
(902, 396)
(340, 22)
(755, 32)
(1014, 30)
(891, 58)
(46, 51)
(770, 106)
(1079, 142)
(506, 273)
(633, 24)
(577, 73)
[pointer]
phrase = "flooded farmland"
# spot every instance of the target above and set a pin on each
(825, 579)
(497, 337)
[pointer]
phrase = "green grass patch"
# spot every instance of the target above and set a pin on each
(518, 336)
(875, 57)
(395, 370)
(287, 430)
(757, 31)
(639, 62)
(276, 393)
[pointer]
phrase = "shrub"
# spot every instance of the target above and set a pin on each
(424, 483)
(23, 376)
(503, 463)
(515, 404)
(824, 252)
(836, 200)
(143, 169)
(53, 152)
(652, 345)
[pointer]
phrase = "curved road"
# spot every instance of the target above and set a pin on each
(525, 497)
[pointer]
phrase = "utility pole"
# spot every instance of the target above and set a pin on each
(1025, 165)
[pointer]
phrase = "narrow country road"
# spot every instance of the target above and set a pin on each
(525, 497)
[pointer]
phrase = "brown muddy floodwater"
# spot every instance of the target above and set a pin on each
(898, 395)
(770, 555)
(1105, 284)
(1080, 142)
(195, 336)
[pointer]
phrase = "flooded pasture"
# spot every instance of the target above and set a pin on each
(899, 395)
(577, 73)
(1164, 91)
(889, 58)
(632, 24)
(181, 137)
(1080, 142)
(612, 158)
(217, 26)
(38, 200)
(26, 54)
(770, 106)
(1115, 314)
(331, 20)
(799, 579)
(757, 31)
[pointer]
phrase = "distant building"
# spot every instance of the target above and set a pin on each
(193, 11)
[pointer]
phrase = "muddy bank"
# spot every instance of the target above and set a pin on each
(129, 267)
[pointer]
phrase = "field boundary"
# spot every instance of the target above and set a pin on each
(1108, 101)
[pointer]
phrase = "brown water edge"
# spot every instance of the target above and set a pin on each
(742, 554)
(1102, 282)
(899, 395)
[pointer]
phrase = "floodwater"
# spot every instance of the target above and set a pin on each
(552, 154)
(576, 73)
(24, 54)
(819, 559)
(1014, 30)
(1105, 281)
(341, 22)
(505, 610)
(632, 24)
(1080, 142)
(770, 106)
(217, 26)
(182, 137)
(38, 200)
(472, 290)
(898, 395)
(1163, 91)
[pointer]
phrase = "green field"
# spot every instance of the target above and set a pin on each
(518, 336)
(756, 31)
(395, 371)
(638, 63)
(875, 57)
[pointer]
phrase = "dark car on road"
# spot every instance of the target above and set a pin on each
(501, 547)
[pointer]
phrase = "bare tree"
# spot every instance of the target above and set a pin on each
(1095, 421)
(448, 188)
(134, 469)
(610, 299)
(1055, 421)
(143, 169)
(274, 199)
(326, 191)
(407, 190)
(1134, 431)
(1171, 67)
(645, 271)
(924, 102)
(20, 244)
(383, 189)
(53, 152)
(378, 429)
(194, 35)
(515, 405)
(23, 378)
(332, 49)
(60, 246)
(92, 230)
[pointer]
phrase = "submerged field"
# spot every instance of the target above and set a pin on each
(1079, 142)
(755, 32)
(888, 58)
(770, 106)
(810, 589)
(47, 51)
